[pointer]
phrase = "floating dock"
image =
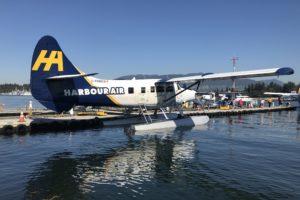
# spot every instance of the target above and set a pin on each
(9, 123)
(9, 126)
(239, 111)
(16, 112)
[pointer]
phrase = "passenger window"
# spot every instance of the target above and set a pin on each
(130, 90)
(143, 89)
(152, 89)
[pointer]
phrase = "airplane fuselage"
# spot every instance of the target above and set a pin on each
(129, 93)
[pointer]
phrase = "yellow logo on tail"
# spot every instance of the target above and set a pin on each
(54, 58)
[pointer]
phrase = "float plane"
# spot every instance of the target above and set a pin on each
(292, 96)
(58, 85)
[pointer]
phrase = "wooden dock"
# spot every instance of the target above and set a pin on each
(9, 124)
(16, 112)
(238, 111)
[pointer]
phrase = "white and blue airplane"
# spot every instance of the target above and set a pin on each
(59, 85)
(292, 96)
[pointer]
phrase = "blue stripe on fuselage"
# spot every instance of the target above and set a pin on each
(91, 100)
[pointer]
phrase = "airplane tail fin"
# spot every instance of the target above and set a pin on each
(48, 61)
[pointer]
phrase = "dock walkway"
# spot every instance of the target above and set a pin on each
(237, 111)
(9, 124)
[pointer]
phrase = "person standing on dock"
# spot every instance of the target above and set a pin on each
(30, 108)
(269, 101)
(279, 101)
(262, 103)
(241, 103)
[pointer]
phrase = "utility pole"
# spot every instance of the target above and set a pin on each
(234, 59)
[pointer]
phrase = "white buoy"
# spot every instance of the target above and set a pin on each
(183, 122)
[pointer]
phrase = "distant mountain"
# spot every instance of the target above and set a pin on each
(206, 86)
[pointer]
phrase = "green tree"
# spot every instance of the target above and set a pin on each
(288, 87)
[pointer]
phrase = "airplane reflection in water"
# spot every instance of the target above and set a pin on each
(140, 161)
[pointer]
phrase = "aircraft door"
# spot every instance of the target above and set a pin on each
(164, 91)
(143, 97)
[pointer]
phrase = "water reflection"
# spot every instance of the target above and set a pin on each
(54, 179)
(140, 160)
(189, 163)
(298, 125)
(298, 118)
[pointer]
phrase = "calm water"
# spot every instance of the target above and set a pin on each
(253, 156)
(13, 102)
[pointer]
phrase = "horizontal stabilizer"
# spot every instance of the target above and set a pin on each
(70, 76)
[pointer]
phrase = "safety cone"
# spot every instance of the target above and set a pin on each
(22, 118)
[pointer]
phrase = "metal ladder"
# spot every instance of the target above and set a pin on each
(145, 113)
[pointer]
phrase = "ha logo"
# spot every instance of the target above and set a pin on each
(55, 58)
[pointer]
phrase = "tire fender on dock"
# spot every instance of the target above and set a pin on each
(21, 129)
(8, 130)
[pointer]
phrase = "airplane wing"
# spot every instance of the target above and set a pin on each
(277, 94)
(292, 94)
(230, 75)
(234, 75)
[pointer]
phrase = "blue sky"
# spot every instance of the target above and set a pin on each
(121, 37)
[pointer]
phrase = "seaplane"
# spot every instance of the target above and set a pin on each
(292, 96)
(58, 85)
(206, 99)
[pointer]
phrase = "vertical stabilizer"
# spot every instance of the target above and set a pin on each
(48, 60)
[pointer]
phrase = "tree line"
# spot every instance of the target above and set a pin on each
(258, 89)
(8, 87)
